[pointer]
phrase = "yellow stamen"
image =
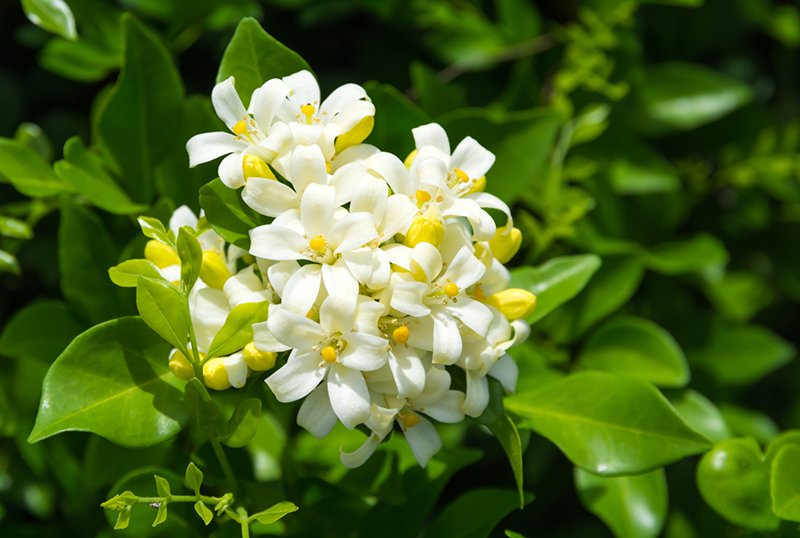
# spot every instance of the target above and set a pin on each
(451, 290)
(328, 354)
(328, 166)
(310, 314)
(462, 176)
(410, 421)
(400, 335)
(258, 360)
(240, 128)
(308, 112)
(423, 196)
(318, 243)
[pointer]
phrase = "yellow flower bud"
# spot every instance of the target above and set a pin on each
(215, 375)
(410, 159)
(160, 254)
(254, 166)
(356, 135)
(504, 247)
(180, 366)
(213, 271)
(258, 360)
(513, 303)
(424, 229)
(478, 186)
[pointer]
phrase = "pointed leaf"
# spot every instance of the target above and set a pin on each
(51, 15)
(128, 272)
(484, 507)
(161, 516)
(237, 331)
(243, 425)
(194, 477)
(505, 431)
(164, 310)
(162, 486)
(271, 515)
(204, 512)
(228, 215)
(202, 409)
(28, 172)
(191, 255)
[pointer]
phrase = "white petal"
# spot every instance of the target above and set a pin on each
(227, 104)
(349, 395)
(363, 352)
(381, 271)
(316, 210)
(337, 277)
(428, 258)
(423, 440)
(484, 199)
(465, 270)
(269, 197)
(400, 211)
(338, 313)
(236, 369)
(316, 414)
(431, 135)
(241, 285)
(506, 371)
(353, 460)
(308, 166)
(477, 394)
(267, 100)
(437, 383)
(483, 227)
(393, 171)
(294, 330)
(421, 333)
(354, 154)
(446, 409)
(208, 146)
(352, 114)
(277, 243)
(496, 279)
(183, 216)
(306, 89)
(230, 170)
(279, 139)
(407, 298)
(340, 98)
(367, 314)
(471, 313)
(371, 196)
(352, 231)
(446, 339)
(346, 179)
(455, 238)
(408, 371)
(431, 171)
(381, 419)
(302, 289)
(472, 158)
(209, 312)
(299, 376)
(280, 273)
(359, 261)
(265, 340)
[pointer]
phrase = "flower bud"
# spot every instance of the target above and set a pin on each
(180, 366)
(213, 271)
(254, 166)
(478, 186)
(160, 254)
(513, 303)
(356, 135)
(504, 247)
(215, 375)
(427, 228)
(258, 360)
(410, 159)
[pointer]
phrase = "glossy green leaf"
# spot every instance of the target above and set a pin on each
(9, 263)
(243, 425)
(702, 415)
(194, 477)
(23, 337)
(161, 516)
(494, 410)
(556, 281)
(639, 348)
(253, 57)
(164, 310)
(692, 255)
(273, 514)
(141, 121)
(51, 15)
(485, 509)
(113, 380)
(154, 229)
(228, 215)
(398, 115)
(11, 227)
(100, 191)
(785, 484)
(237, 331)
(742, 355)
(631, 506)
(191, 255)
(787, 438)
(127, 273)
(745, 422)
(123, 519)
(35, 138)
(204, 512)
(505, 431)
(27, 171)
(734, 480)
(162, 486)
(608, 425)
(202, 409)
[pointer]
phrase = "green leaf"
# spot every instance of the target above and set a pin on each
(204, 512)
(113, 380)
(140, 480)
(631, 506)
(689, 256)
(273, 514)
(28, 172)
(702, 415)
(123, 519)
(162, 486)
(608, 425)
(104, 194)
(161, 516)
(744, 422)
(127, 273)
(734, 480)
(685, 96)
(202, 409)
(785, 484)
(638, 348)
(154, 229)
(433, 95)
(23, 337)
(237, 331)
(397, 116)
(164, 309)
(228, 215)
(519, 20)
(194, 477)
(556, 281)
(475, 513)
(742, 355)
(254, 57)
(9, 263)
(141, 121)
(787, 438)
(32, 136)
(505, 431)
(635, 169)
(243, 425)
(494, 410)
(51, 15)
(11, 227)
(739, 295)
(191, 255)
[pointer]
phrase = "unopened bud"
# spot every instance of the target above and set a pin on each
(356, 135)
(213, 271)
(180, 366)
(478, 186)
(254, 166)
(504, 247)
(410, 159)
(215, 375)
(258, 360)
(160, 254)
(513, 303)
(427, 228)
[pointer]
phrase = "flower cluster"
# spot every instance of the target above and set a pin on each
(384, 278)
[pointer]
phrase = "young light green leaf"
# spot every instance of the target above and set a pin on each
(123, 519)
(745, 422)
(785, 485)
(35, 138)
(556, 281)
(113, 380)
(194, 477)
(253, 57)
(27, 171)
(505, 431)
(164, 309)
(202, 409)
(102, 192)
(204, 512)
(688, 256)
(631, 506)
(787, 438)
(734, 480)
(162, 486)
(699, 413)
(127, 273)
(608, 425)
(161, 516)
(486, 507)
(273, 514)
(191, 255)
(154, 229)
(11, 227)
(228, 215)
(638, 348)
(9, 263)
(51, 15)
(243, 425)
(512, 534)
(237, 331)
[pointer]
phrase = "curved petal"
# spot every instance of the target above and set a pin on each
(472, 158)
(437, 383)
(465, 269)
(316, 414)
(349, 395)
(484, 199)
(307, 167)
(367, 314)
(241, 285)
(280, 273)
(352, 114)
(506, 371)
(300, 375)
(337, 277)
(364, 352)
(446, 409)
(236, 369)
(302, 289)
(230, 170)
(209, 312)
(393, 171)
(381, 271)
(316, 210)
(400, 211)
(295, 330)
(208, 146)
(431, 135)
(407, 298)
(421, 333)
(277, 243)
(340, 98)
(471, 313)
(381, 419)
(265, 340)
(227, 104)
(446, 339)
(477, 394)
(408, 371)
(352, 231)
(183, 216)
(431, 171)
(306, 89)
(353, 460)
(423, 440)
(269, 197)
(354, 154)
(359, 261)
(346, 180)
(371, 196)
(428, 258)
(267, 100)
(338, 313)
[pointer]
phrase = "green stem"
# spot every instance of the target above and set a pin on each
(195, 356)
(179, 499)
(224, 463)
(244, 521)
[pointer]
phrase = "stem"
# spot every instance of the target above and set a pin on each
(179, 499)
(195, 357)
(244, 521)
(224, 463)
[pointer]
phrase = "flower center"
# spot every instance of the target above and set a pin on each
(422, 197)
(462, 176)
(451, 290)
(308, 111)
(410, 420)
(328, 354)
(318, 243)
(401, 335)
(242, 129)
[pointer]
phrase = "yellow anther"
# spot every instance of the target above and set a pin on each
(423, 196)
(400, 335)
(356, 135)
(478, 186)
(513, 303)
(215, 375)
(479, 294)
(213, 271)
(424, 229)
(411, 420)
(318, 243)
(410, 159)
(504, 247)
(180, 366)
(240, 128)
(328, 354)
(328, 166)
(462, 176)
(308, 112)
(254, 166)
(451, 290)
(160, 254)
(310, 314)
(258, 360)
